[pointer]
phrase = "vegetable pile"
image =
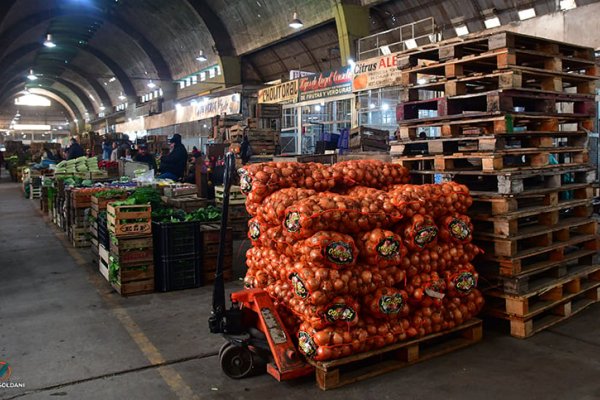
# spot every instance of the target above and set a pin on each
(81, 164)
(355, 258)
(207, 214)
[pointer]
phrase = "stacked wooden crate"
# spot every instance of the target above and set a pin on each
(131, 254)
(509, 115)
(238, 217)
(210, 238)
(98, 205)
(78, 218)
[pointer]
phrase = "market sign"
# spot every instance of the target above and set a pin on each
(376, 73)
(296, 73)
(326, 84)
(282, 93)
(225, 105)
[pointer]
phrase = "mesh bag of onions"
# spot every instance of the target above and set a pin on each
(355, 258)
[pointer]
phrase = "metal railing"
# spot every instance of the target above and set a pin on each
(394, 40)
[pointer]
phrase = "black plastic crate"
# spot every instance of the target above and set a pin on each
(176, 239)
(103, 235)
(177, 273)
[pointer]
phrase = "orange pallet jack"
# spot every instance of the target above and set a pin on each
(256, 338)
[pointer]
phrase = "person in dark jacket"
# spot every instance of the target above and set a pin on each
(106, 149)
(75, 151)
(172, 166)
(245, 149)
(144, 157)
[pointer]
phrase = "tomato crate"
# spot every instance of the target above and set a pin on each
(130, 220)
(177, 273)
(132, 250)
(362, 366)
(130, 280)
(181, 239)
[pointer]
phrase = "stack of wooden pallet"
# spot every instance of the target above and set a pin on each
(508, 115)
(78, 218)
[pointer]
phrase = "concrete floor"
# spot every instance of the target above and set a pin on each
(65, 334)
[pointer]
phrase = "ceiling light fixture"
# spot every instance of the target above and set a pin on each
(567, 5)
(461, 30)
(492, 22)
(31, 76)
(296, 23)
(112, 79)
(48, 42)
(122, 97)
(411, 43)
(151, 85)
(201, 57)
(526, 13)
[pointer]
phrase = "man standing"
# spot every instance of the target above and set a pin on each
(144, 157)
(172, 166)
(75, 151)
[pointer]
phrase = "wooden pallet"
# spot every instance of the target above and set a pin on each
(460, 47)
(517, 141)
(524, 222)
(512, 183)
(492, 123)
(538, 256)
(516, 160)
(486, 206)
(535, 238)
(547, 306)
(541, 276)
(503, 59)
(498, 100)
(362, 366)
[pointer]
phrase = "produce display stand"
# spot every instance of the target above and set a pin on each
(513, 122)
(361, 366)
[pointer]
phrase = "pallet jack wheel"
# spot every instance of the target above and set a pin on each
(236, 361)
(222, 349)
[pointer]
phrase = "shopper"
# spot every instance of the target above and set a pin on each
(144, 157)
(172, 166)
(75, 150)
(106, 149)
(245, 150)
(114, 155)
(88, 153)
(195, 152)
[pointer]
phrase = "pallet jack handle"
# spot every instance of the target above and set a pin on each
(217, 321)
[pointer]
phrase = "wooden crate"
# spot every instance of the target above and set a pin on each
(362, 366)
(79, 237)
(236, 197)
(132, 220)
(187, 203)
(100, 203)
(81, 199)
(135, 279)
(103, 261)
(132, 250)
(180, 191)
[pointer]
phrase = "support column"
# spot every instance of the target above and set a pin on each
(231, 68)
(352, 22)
